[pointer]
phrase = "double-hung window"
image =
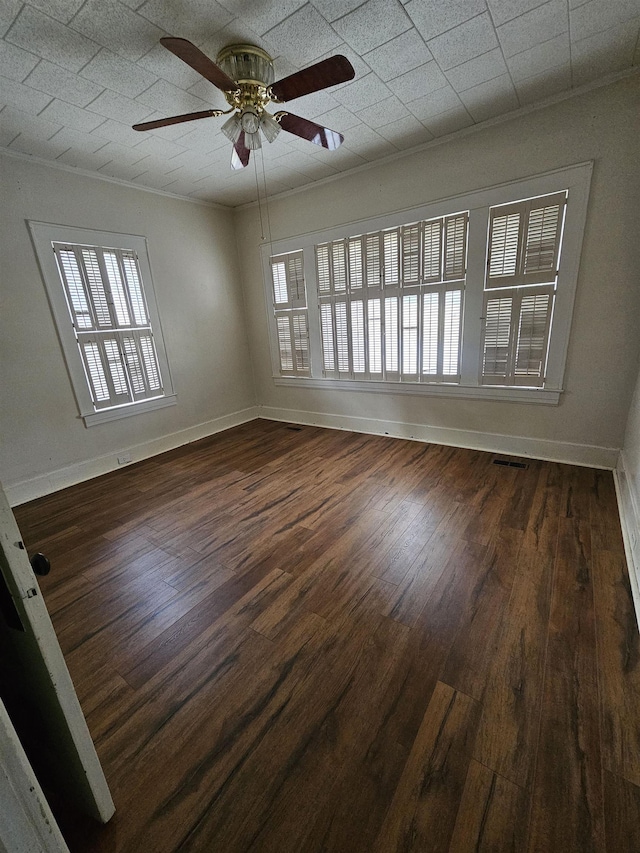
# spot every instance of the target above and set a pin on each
(99, 286)
(470, 296)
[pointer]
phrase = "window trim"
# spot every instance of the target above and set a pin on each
(43, 234)
(575, 178)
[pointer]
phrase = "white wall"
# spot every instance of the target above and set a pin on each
(192, 249)
(588, 425)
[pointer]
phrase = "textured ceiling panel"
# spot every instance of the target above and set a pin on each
(76, 74)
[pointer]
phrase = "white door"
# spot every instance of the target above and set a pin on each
(33, 662)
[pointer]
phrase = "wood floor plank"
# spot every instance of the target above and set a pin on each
(492, 814)
(622, 801)
(423, 811)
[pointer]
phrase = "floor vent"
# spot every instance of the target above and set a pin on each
(507, 463)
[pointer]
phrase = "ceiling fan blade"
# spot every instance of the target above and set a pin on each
(329, 72)
(240, 153)
(194, 57)
(306, 129)
(163, 122)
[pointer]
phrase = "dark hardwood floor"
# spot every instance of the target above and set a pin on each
(296, 639)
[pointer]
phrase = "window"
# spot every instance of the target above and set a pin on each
(391, 302)
(470, 296)
(290, 311)
(99, 286)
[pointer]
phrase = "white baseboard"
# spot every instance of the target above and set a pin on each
(590, 456)
(27, 490)
(629, 509)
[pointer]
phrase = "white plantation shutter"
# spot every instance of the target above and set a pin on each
(290, 309)
(455, 246)
(432, 250)
(524, 241)
(374, 327)
(516, 336)
(373, 268)
(357, 336)
(287, 272)
(339, 266)
(106, 302)
(410, 334)
(451, 333)
(411, 254)
(391, 335)
(356, 266)
(391, 257)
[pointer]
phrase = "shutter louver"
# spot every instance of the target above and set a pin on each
(328, 342)
(74, 287)
(279, 275)
(533, 329)
(290, 304)
(356, 271)
(96, 288)
(339, 267)
(284, 344)
(391, 248)
(301, 341)
(497, 337)
(391, 336)
(357, 336)
(432, 251)
(455, 247)
(503, 252)
(117, 288)
(372, 260)
(411, 254)
(130, 266)
(342, 337)
(323, 270)
(374, 329)
(410, 334)
(116, 368)
(451, 333)
(543, 232)
(95, 369)
(430, 324)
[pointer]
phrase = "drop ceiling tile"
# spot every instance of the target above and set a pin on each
(289, 177)
(505, 10)
(341, 159)
(384, 112)
(122, 171)
(478, 70)
(17, 121)
(604, 53)
(7, 134)
(434, 17)
(405, 133)
(58, 82)
(113, 72)
(170, 100)
(534, 27)
(208, 93)
(113, 105)
(449, 122)
(195, 20)
(115, 131)
(360, 67)
(441, 101)
(8, 11)
(87, 142)
(43, 148)
(340, 119)
(403, 53)
(372, 24)
(263, 14)
(121, 153)
(62, 10)
(599, 15)
(309, 106)
(160, 62)
(51, 40)
(16, 63)
(23, 97)
(543, 85)
(421, 81)
(490, 99)
(82, 159)
(204, 136)
(71, 116)
(155, 180)
(237, 31)
(465, 42)
(334, 9)
(550, 54)
(117, 28)
(161, 147)
(369, 144)
(303, 36)
(362, 93)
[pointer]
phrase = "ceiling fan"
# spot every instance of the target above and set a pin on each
(245, 74)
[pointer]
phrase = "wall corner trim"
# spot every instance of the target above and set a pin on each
(629, 511)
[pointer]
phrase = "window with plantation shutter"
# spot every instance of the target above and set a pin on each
(523, 256)
(290, 309)
(397, 317)
(102, 298)
(106, 302)
(466, 297)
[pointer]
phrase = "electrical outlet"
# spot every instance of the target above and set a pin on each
(124, 459)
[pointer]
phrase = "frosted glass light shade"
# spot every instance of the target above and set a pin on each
(232, 128)
(270, 126)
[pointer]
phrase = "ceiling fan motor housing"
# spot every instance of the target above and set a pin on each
(252, 69)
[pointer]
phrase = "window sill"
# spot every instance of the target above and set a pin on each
(127, 411)
(543, 396)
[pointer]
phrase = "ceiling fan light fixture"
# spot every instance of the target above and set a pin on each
(232, 128)
(252, 140)
(269, 126)
(250, 120)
